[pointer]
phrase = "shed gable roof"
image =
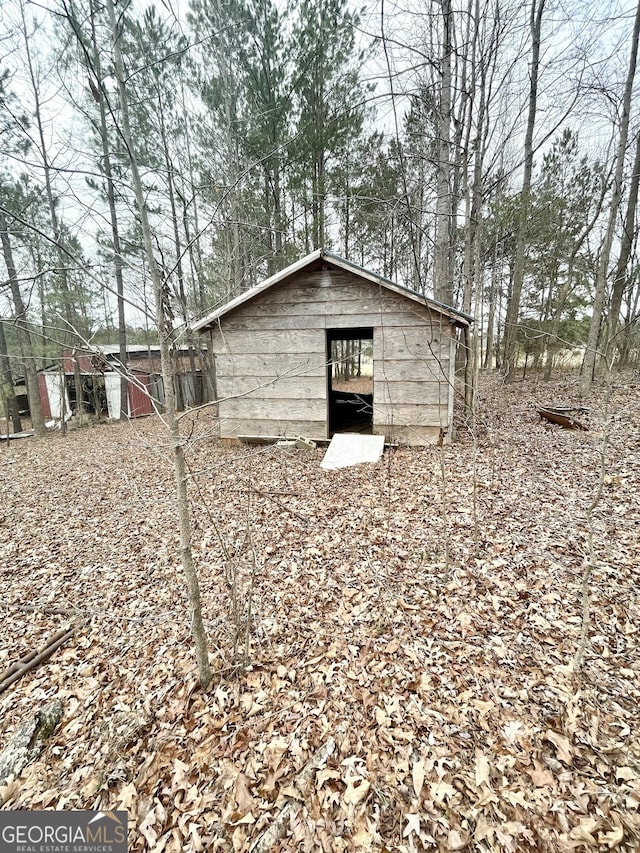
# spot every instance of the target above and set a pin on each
(319, 256)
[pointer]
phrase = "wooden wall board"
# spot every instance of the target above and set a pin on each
(416, 436)
(412, 393)
(404, 344)
(270, 365)
(268, 388)
(410, 434)
(409, 369)
(317, 319)
(299, 342)
(273, 410)
(287, 428)
(402, 414)
(345, 287)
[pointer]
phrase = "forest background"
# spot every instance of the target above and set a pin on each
(486, 152)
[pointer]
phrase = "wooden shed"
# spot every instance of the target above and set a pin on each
(325, 346)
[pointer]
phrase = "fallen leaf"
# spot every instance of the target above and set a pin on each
(562, 745)
(417, 776)
(483, 771)
(625, 774)
(442, 791)
(457, 841)
(127, 797)
(412, 826)
(242, 793)
(612, 838)
(540, 775)
(357, 790)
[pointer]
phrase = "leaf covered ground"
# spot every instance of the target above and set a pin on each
(406, 683)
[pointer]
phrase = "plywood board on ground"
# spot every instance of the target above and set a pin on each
(348, 448)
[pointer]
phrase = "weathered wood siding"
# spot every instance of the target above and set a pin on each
(271, 359)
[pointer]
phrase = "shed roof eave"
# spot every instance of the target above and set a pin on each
(255, 291)
(457, 317)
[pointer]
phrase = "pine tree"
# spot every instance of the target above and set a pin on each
(329, 103)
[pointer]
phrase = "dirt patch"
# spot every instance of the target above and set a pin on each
(361, 385)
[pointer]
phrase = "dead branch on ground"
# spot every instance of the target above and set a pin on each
(278, 828)
(30, 661)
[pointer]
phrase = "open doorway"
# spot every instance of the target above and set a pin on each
(350, 380)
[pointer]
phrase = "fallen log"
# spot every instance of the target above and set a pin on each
(30, 661)
(28, 741)
(302, 782)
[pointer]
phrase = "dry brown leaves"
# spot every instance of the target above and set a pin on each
(428, 630)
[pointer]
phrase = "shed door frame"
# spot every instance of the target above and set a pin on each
(364, 412)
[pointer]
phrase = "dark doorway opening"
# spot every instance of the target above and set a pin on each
(94, 395)
(350, 380)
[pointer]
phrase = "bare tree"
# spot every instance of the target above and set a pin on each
(56, 223)
(22, 330)
(164, 335)
(95, 68)
(513, 307)
(442, 273)
(6, 378)
(590, 356)
(620, 281)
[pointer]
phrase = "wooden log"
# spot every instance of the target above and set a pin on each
(278, 828)
(28, 740)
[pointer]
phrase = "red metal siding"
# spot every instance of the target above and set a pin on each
(139, 402)
(86, 365)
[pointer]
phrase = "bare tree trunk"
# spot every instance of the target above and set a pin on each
(164, 334)
(63, 256)
(182, 296)
(513, 306)
(193, 244)
(277, 211)
(442, 274)
(555, 322)
(626, 244)
(634, 316)
(568, 286)
(465, 344)
(13, 411)
(22, 332)
(95, 66)
(481, 62)
(493, 292)
(590, 356)
(318, 202)
(235, 264)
